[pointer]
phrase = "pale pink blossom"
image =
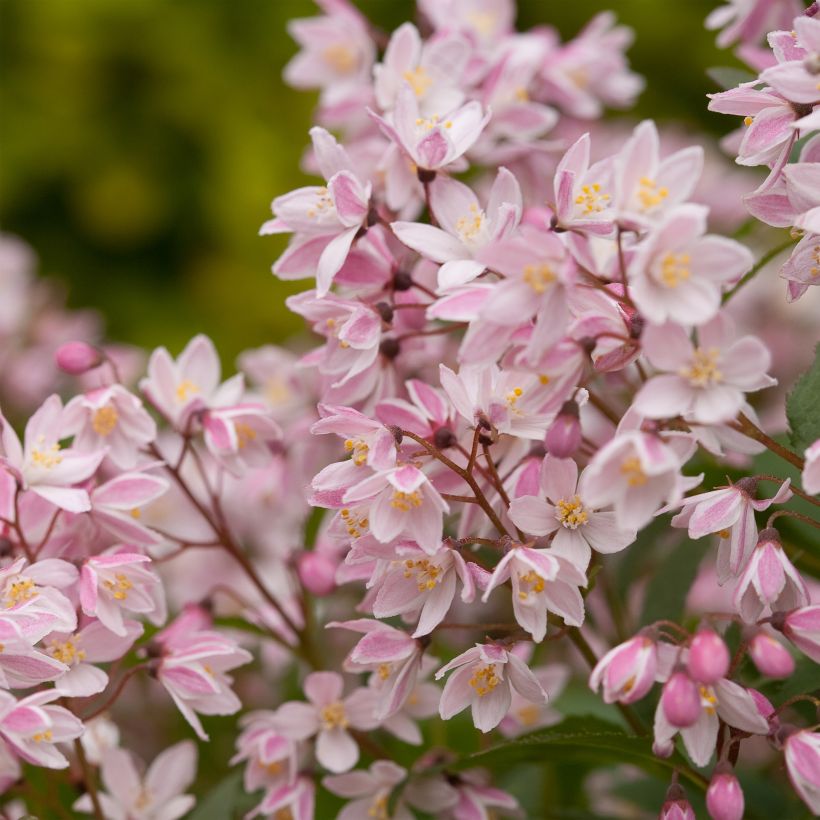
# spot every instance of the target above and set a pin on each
(240, 437)
(270, 759)
(368, 791)
(131, 793)
(769, 581)
(560, 508)
(118, 582)
(483, 678)
(706, 383)
(116, 506)
(677, 274)
(802, 269)
(795, 75)
(368, 441)
(802, 753)
(726, 701)
(748, 20)
(33, 727)
(802, 628)
(328, 716)
(296, 799)
(21, 664)
(628, 671)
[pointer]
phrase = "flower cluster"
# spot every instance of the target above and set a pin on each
(525, 363)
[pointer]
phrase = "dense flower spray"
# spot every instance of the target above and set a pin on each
(528, 360)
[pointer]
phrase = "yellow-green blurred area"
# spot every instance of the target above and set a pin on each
(143, 140)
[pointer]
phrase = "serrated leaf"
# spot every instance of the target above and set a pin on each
(579, 738)
(803, 407)
(727, 77)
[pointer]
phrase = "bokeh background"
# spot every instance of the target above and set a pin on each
(142, 142)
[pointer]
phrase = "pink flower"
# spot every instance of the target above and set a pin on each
(802, 269)
(81, 650)
(33, 729)
(118, 582)
(748, 20)
(21, 665)
(368, 792)
(240, 437)
(795, 77)
(802, 753)
(466, 228)
(423, 584)
(541, 583)
(437, 140)
(560, 509)
(802, 628)
(636, 472)
(192, 669)
(677, 274)
(811, 472)
(402, 501)
(324, 219)
(112, 418)
(730, 512)
(769, 580)
(724, 797)
(295, 799)
(726, 701)
(116, 506)
(676, 806)
(41, 465)
(329, 717)
(131, 795)
(180, 388)
(483, 679)
(368, 441)
(627, 671)
(706, 383)
(270, 759)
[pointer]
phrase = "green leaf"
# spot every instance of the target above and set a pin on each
(727, 77)
(803, 407)
(579, 739)
(226, 800)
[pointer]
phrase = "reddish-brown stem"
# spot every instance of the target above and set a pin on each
(88, 780)
(436, 331)
(797, 699)
(494, 475)
(746, 426)
(111, 699)
(50, 529)
(796, 490)
(600, 405)
(466, 499)
(806, 519)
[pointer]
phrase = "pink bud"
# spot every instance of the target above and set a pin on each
(680, 700)
(724, 797)
(317, 573)
(564, 437)
(708, 657)
(78, 357)
(676, 806)
(770, 656)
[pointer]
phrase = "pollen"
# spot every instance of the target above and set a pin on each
(572, 514)
(708, 699)
(39, 737)
(650, 195)
(359, 448)
(340, 57)
(703, 369)
(747, 121)
(484, 679)
(529, 583)
(420, 81)
(104, 420)
(355, 525)
(675, 269)
(512, 399)
(18, 592)
(333, 716)
(185, 389)
(384, 670)
(539, 277)
(378, 808)
(245, 434)
(406, 501)
(118, 587)
(46, 457)
(471, 226)
(632, 470)
(426, 575)
(591, 200)
(68, 651)
(814, 270)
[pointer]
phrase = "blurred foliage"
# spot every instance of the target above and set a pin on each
(143, 141)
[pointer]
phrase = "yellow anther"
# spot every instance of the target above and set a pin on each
(592, 200)
(572, 514)
(406, 501)
(333, 716)
(747, 121)
(66, 651)
(420, 81)
(185, 389)
(539, 277)
(703, 369)
(118, 587)
(384, 670)
(104, 420)
(245, 434)
(425, 574)
(359, 448)
(633, 471)
(675, 269)
(340, 57)
(484, 679)
(17, 592)
(650, 195)
(529, 582)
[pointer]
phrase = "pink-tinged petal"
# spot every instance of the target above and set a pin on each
(82, 681)
(296, 721)
(458, 272)
(603, 534)
(66, 498)
(664, 396)
(332, 258)
(492, 708)
(667, 347)
(737, 707)
(701, 737)
(763, 138)
(382, 645)
(322, 688)
(524, 681)
(793, 81)
(350, 198)
(533, 515)
(336, 750)
(430, 242)
(437, 605)
(452, 202)
(559, 478)
(129, 490)
(718, 513)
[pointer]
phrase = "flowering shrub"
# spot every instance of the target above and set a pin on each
(530, 360)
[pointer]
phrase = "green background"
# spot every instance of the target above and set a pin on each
(143, 140)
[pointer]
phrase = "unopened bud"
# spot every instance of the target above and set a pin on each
(317, 573)
(676, 806)
(724, 797)
(77, 358)
(770, 656)
(680, 700)
(708, 657)
(564, 437)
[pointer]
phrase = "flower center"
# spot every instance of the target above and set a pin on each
(528, 715)
(703, 369)
(425, 573)
(353, 524)
(708, 699)
(484, 679)
(571, 514)
(529, 582)
(68, 651)
(420, 81)
(675, 269)
(384, 670)
(323, 205)
(144, 799)
(185, 389)
(378, 808)
(471, 227)
(632, 470)
(17, 592)
(650, 195)
(46, 735)
(814, 270)
(539, 277)
(245, 434)
(104, 420)
(46, 457)
(340, 57)
(591, 200)
(333, 716)
(359, 448)
(405, 501)
(118, 587)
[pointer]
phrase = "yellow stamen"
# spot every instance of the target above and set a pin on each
(571, 514)
(104, 420)
(633, 471)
